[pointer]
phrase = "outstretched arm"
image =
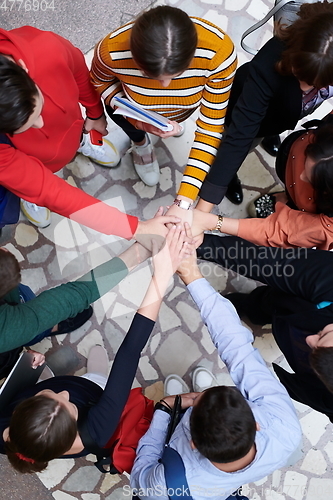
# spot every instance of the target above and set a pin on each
(104, 417)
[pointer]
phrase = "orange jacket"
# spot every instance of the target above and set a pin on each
(288, 228)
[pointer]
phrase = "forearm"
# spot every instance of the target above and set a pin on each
(134, 255)
(147, 472)
(154, 296)
(204, 206)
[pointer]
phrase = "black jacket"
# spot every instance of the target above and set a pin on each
(262, 103)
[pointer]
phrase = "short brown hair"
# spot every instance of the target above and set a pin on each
(309, 41)
(163, 41)
(10, 274)
(222, 425)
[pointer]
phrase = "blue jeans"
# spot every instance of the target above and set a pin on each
(27, 294)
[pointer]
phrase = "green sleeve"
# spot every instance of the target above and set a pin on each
(22, 322)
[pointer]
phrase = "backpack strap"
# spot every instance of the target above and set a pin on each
(174, 469)
(174, 472)
(254, 27)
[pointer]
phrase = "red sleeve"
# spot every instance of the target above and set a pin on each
(288, 228)
(28, 178)
(89, 97)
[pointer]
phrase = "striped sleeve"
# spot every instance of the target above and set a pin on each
(111, 52)
(213, 106)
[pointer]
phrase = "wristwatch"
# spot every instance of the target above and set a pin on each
(186, 205)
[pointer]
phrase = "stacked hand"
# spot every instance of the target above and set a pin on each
(39, 358)
(178, 245)
(146, 127)
(198, 220)
(187, 399)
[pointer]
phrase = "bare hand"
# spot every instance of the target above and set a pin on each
(154, 228)
(187, 399)
(178, 245)
(146, 127)
(183, 215)
(100, 125)
(188, 270)
(39, 358)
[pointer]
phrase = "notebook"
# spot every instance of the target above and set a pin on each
(133, 110)
(20, 378)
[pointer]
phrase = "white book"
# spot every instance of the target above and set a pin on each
(133, 110)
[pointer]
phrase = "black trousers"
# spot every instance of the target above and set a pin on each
(298, 279)
(134, 134)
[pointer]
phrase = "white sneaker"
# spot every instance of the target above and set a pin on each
(145, 163)
(106, 155)
(38, 216)
(203, 379)
(174, 385)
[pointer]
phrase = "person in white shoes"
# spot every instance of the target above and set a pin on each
(172, 64)
(228, 436)
(43, 81)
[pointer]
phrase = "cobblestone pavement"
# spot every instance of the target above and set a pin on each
(179, 340)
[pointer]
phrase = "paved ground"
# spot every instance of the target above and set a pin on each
(179, 340)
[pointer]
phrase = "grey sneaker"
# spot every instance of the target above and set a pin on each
(203, 379)
(98, 361)
(145, 163)
(174, 385)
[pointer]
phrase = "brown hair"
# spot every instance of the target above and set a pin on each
(309, 41)
(320, 150)
(222, 425)
(10, 274)
(321, 361)
(163, 41)
(18, 94)
(40, 430)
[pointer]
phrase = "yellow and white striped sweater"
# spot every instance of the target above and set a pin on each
(205, 84)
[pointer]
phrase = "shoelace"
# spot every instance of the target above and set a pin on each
(33, 206)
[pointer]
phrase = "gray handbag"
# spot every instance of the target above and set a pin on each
(284, 12)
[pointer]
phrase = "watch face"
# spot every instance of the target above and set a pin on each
(184, 204)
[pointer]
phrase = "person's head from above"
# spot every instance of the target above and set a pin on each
(163, 42)
(41, 428)
(309, 41)
(10, 274)
(321, 356)
(222, 425)
(21, 101)
(318, 168)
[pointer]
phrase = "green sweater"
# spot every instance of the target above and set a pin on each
(20, 323)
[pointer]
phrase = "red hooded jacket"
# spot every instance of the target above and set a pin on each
(59, 70)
